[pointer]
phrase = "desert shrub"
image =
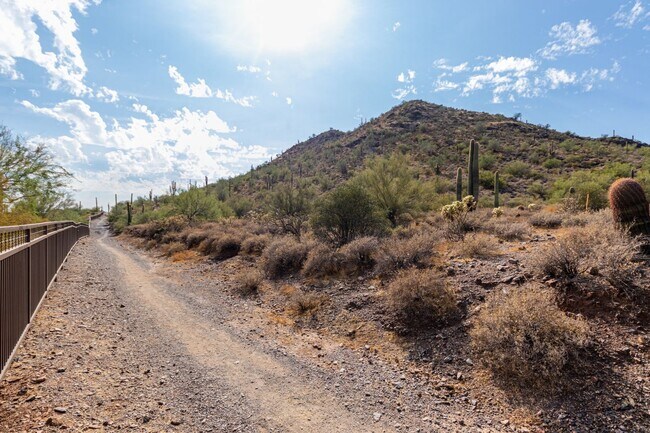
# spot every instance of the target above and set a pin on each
(564, 258)
(157, 229)
(195, 204)
(322, 261)
(522, 336)
(247, 282)
(401, 253)
(346, 214)
(284, 256)
(477, 246)
(254, 245)
(359, 255)
(545, 220)
(194, 238)
(420, 297)
(301, 303)
(518, 169)
(592, 182)
(290, 209)
(393, 187)
(172, 248)
(225, 246)
(613, 256)
(507, 230)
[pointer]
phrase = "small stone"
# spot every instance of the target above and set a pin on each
(54, 422)
(376, 416)
(60, 410)
(39, 380)
(176, 422)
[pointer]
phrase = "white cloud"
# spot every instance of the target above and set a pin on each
(592, 76)
(186, 145)
(251, 69)
(19, 39)
(442, 64)
(559, 77)
(569, 40)
(201, 90)
(94, 31)
(627, 15)
(442, 85)
(396, 26)
(408, 88)
(35, 93)
(518, 66)
(107, 95)
(289, 101)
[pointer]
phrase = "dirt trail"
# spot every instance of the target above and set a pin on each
(279, 392)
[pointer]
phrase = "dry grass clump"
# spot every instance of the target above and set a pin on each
(421, 297)
(283, 256)
(323, 261)
(359, 256)
(172, 248)
(254, 245)
(564, 258)
(157, 229)
(415, 251)
(301, 303)
(613, 258)
(477, 246)
(546, 220)
(222, 246)
(247, 282)
(508, 230)
(524, 337)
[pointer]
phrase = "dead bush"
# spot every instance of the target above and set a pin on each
(545, 220)
(524, 337)
(508, 231)
(301, 303)
(226, 246)
(416, 251)
(613, 258)
(322, 261)
(254, 245)
(420, 297)
(359, 256)
(479, 246)
(247, 282)
(284, 256)
(564, 258)
(173, 248)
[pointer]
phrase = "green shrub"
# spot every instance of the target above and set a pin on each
(195, 204)
(346, 214)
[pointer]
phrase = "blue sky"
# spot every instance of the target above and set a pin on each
(131, 95)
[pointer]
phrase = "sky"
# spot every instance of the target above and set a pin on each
(130, 95)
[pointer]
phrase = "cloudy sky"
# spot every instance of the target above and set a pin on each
(130, 95)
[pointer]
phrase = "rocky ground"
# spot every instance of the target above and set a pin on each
(128, 340)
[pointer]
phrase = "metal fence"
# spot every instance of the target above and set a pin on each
(30, 258)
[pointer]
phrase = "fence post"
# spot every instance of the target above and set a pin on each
(28, 238)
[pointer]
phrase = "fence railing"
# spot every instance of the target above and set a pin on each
(30, 257)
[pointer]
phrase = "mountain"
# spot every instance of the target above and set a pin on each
(530, 158)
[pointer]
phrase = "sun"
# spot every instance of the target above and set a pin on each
(283, 26)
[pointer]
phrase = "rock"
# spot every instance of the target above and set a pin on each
(593, 270)
(39, 380)
(376, 416)
(176, 422)
(54, 422)
(60, 410)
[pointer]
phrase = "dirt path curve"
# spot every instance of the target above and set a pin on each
(119, 346)
(276, 389)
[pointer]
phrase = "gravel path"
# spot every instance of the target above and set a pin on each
(117, 346)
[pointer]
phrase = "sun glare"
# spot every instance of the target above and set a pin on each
(285, 26)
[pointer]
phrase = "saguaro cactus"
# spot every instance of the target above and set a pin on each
(472, 170)
(496, 189)
(630, 206)
(128, 213)
(459, 184)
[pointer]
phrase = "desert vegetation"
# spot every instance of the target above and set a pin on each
(518, 270)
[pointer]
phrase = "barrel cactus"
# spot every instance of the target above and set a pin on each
(630, 206)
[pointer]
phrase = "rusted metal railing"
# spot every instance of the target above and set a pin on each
(30, 257)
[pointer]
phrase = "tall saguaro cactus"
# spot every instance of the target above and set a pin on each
(459, 184)
(472, 171)
(496, 189)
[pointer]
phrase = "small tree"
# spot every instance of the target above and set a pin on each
(290, 209)
(345, 214)
(393, 187)
(194, 204)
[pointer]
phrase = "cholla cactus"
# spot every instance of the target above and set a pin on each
(533, 207)
(497, 212)
(456, 214)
